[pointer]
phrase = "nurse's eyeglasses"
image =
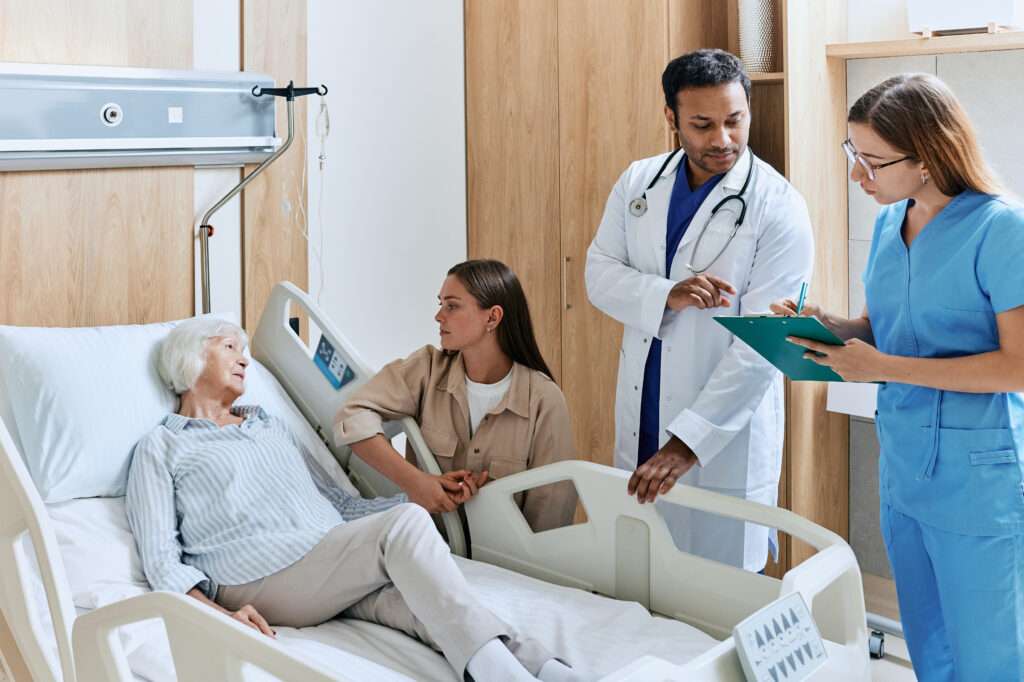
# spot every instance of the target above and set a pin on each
(870, 168)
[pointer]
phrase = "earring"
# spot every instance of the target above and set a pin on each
(924, 179)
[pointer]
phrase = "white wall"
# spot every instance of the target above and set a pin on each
(877, 20)
(216, 46)
(394, 198)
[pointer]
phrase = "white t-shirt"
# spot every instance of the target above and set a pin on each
(483, 398)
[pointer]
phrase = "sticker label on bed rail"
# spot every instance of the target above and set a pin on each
(330, 363)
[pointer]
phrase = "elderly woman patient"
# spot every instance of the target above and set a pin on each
(227, 506)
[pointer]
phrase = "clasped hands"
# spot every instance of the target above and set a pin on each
(446, 492)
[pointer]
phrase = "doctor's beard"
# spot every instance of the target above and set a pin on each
(728, 156)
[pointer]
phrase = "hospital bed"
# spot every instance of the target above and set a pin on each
(613, 591)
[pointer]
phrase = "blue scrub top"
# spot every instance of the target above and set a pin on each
(683, 205)
(948, 459)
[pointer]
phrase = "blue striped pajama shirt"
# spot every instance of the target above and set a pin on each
(226, 505)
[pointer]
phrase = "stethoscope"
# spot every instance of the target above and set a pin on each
(638, 207)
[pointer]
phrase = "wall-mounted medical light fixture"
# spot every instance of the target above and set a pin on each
(60, 116)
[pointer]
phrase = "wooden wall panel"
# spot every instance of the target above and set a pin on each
(819, 441)
(610, 114)
(512, 152)
(695, 24)
(96, 246)
(274, 204)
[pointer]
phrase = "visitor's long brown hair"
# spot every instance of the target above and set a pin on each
(492, 283)
(919, 115)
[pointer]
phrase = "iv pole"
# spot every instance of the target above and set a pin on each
(205, 228)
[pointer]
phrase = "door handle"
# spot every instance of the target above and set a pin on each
(565, 282)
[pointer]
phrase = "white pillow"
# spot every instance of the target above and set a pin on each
(79, 399)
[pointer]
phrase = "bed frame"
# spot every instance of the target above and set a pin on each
(623, 550)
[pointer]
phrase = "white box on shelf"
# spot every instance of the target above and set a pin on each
(930, 16)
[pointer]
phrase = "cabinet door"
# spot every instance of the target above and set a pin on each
(610, 58)
(512, 151)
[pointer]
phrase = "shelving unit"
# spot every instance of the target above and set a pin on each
(770, 77)
(975, 42)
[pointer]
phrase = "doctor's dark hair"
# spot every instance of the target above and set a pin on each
(492, 283)
(921, 117)
(702, 69)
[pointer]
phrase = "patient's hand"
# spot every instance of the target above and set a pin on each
(657, 475)
(251, 617)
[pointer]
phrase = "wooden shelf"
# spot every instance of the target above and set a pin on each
(773, 77)
(975, 42)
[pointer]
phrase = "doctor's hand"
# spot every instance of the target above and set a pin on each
(437, 494)
(702, 292)
(854, 361)
(657, 475)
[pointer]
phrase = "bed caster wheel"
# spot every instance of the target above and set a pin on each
(876, 644)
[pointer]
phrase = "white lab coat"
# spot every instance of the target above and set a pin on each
(717, 395)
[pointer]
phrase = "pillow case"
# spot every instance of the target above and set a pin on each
(77, 400)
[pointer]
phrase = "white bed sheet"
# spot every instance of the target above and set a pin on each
(597, 634)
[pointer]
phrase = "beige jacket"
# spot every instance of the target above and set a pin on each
(529, 428)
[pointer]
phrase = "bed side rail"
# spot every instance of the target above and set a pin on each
(205, 644)
(22, 513)
(625, 551)
(287, 357)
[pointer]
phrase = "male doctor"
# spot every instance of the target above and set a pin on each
(707, 230)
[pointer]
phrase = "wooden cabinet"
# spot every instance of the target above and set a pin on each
(560, 97)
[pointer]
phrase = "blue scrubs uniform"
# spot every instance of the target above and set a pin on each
(683, 205)
(950, 475)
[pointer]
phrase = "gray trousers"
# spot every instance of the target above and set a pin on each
(390, 568)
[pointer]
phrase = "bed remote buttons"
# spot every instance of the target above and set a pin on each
(780, 643)
(330, 362)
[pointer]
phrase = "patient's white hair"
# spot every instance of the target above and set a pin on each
(183, 353)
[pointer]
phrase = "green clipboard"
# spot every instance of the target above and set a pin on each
(767, 335)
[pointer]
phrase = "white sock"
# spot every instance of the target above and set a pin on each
(493, 662)
(556, 671)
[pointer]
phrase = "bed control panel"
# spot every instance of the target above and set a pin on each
(331, 363)
(780, 643)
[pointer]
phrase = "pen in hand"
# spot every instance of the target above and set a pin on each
(802, 298)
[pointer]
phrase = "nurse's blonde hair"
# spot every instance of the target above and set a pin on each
(919, 115)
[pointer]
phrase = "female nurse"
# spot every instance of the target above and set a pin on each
(943, 331)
